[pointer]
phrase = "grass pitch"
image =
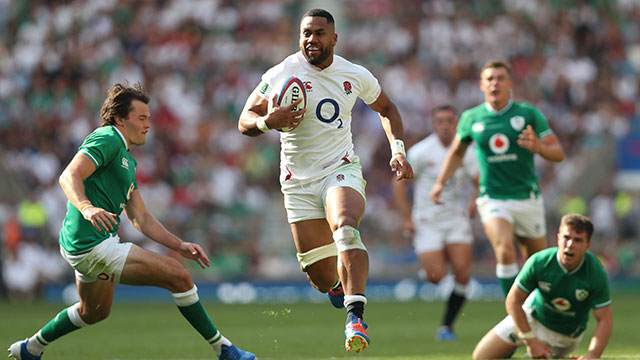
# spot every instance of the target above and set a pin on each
(400, 331)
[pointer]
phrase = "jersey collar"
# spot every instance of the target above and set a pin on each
(501, 111)
(124, 141)
(564, 269)
(306, 64)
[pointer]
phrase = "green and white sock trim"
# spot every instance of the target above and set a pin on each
(506, 271)
(74, 316)
(186, 298)
(217, 341)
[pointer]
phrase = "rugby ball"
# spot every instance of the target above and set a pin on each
(292, 90)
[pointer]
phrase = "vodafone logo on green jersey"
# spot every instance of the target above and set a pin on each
(561, 304)
(499, 143)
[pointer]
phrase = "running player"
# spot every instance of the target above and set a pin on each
(507, 134)
(320, 176)
(100, 182)
(442, 233)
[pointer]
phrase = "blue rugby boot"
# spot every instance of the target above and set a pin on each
(336, 296)
(445, 334)
(233, 353)
(18, 351)
(356, 333)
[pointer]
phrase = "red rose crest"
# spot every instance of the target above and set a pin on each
(347, 87)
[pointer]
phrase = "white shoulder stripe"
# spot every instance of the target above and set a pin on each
(604, 304)
(90, 156)
(522, 287)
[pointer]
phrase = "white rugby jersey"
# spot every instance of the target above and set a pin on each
(426, 157)
(323, 139)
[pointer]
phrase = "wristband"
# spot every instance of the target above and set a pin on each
(397, 147)
(85, 208)
(84, 201)
(262, 125)
(528, 335)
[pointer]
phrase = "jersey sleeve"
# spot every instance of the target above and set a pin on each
(463, 131)
(370, 88)
(540, 124)
(527, 279)
(101, 148)
(266, 88)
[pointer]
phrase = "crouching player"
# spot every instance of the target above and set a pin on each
(99, 182)
(566, 281)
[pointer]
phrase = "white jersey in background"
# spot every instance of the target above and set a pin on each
(323, 141)
(426, 158)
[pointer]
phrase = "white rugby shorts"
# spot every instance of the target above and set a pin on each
(561, 345)
(104, 262)
(434, 235)
(527, 215)
(306, 201)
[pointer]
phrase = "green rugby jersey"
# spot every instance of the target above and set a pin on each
(506, 169)
(563, 298)
(109, 187)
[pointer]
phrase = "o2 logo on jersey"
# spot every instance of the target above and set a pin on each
(561, 304)
(328, 104)
(499, 143)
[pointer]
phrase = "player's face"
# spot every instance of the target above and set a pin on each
(572, 247)
(444, 124)
(496, 84)
(137, 124)
(317, 40)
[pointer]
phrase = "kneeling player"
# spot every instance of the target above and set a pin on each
(566, 282)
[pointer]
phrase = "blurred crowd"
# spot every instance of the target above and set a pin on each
(577, 61)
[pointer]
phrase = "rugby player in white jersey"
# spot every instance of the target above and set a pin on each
(441, 232)
(321, 177)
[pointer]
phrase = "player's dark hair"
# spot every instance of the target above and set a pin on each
(579, 223)
(444, 107)
(321, 13)
(118, 102)
(496, 64)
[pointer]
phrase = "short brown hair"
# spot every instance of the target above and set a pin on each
(496, 64)
(578, 223)
(118, 101)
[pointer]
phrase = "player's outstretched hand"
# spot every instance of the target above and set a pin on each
(401, 167)
(100, 218)
(194, 252)
(529, 140)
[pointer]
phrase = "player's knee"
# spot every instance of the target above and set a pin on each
(348, 238)
(345, 220)
(435, 277)
(180, 279)
(505, 254)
